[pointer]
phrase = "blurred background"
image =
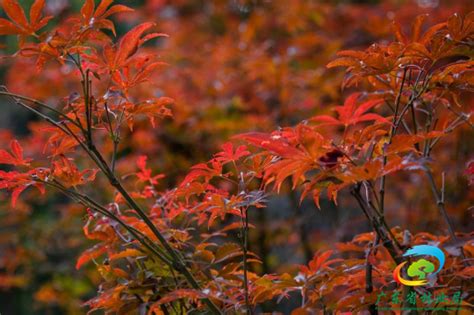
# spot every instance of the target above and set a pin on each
(234, 66)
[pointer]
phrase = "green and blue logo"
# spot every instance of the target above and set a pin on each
(420, 268)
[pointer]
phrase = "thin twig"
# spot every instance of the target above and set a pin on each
(244, 241)
(114, 137)
(369, 286)
(89, 203)
(392, 133)
(387, 242)
(439, 198)
(36, 102)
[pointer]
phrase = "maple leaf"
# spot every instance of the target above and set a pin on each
(126, 68)
(203, 170)
(16, 155)
(268, 286)
(377, 59)
(17, 182)
(108, 299)
(19, 25)
(135, 72)
(90, 254)
(178, 294)
(320, 261)
(405, 142)
(129, 252)
(145, 174)
(154, 108)
(229, 155)
(65, 145)
(299, 148)
(68, 173)
(128, 45)
(352, 113)
(101, 232)
(280, 170)
(274, 142)
(98, 18)
(460, 28)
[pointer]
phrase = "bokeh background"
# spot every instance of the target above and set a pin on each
(234, 66)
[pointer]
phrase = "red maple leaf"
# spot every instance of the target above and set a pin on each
(18, 23)
(352, 113)
(16, 155)
(228, 154)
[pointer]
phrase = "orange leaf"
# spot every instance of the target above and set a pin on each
(35, 11)
(16, 193)
(227, 251)
(8, 28)
(129, 252)
(352, 113)
(87, 9)
(342, 62)
(115, 9)
(416, 27)
(129, 43)
(177, 295)
(90, 254)
(104, 4)
(397, 29)
(15, 12)
(274, 143)
(16, 156)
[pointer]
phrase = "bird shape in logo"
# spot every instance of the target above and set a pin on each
(421, 267)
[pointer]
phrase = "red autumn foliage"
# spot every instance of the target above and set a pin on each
(171, 241)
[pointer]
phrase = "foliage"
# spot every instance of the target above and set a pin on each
(175, 242)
